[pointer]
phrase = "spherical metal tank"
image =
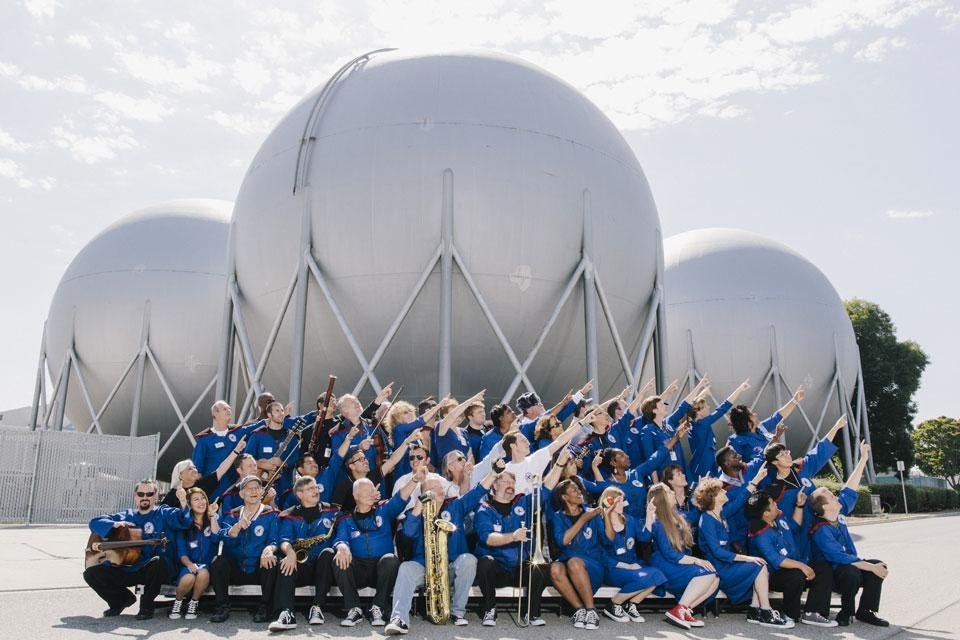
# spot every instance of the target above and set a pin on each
(732, 294)
(171, 259)
(524, 155)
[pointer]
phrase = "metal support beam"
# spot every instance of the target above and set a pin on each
(39, 392)
(141, 364)
(300, 310)
(660, 344)
(445, 348)
(589, 291)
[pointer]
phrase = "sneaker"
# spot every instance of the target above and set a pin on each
(843, 619)
(354, 616)
(870, 617)
(114, 611)
(396, 627)
(688, 616)
(772, 618)
(316, 615)
(534, 621)
(144, 614)
(676, 618)
(262, 614)
(460, 621)
(817, 620)
(579, 618)
(286, 620)
(220, 615)
(489, 618)
(593, 619)
(192, 607)
(633, 612)
(753, 615)
(376, 616)
(175, 610)
(615, 612)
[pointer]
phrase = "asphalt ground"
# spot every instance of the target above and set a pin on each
(42, 595)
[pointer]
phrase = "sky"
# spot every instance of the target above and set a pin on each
(829, 126)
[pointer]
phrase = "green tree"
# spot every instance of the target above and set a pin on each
(891, 375)
(936, 445)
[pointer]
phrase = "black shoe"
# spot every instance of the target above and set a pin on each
(871, 618)
(843, 619)
(144, 614)
(262, 614)
(220, 615)
(114, 611)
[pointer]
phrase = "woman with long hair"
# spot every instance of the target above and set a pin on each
(694, 579)
(675, 478)
(196, 549)
(622, 535)
(742, 577)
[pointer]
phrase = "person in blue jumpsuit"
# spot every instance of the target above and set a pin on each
(622, 536)
(750, 436)
(214, 445)
(694, 579)
(734, 472)
(613, 468)
(702, 440)
(833, 543)
(155, 522)
(196, 549)
(659, 425)
(265, 442)
(743, 577)
(364, 548)
(249, 534)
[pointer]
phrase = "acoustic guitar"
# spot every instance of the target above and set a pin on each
(122, 547)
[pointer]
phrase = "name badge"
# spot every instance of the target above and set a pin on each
(219, 445)
(497, 528)
(268, 449)
(783, 552)
(673, 456)
(621, 551)
(193, 544)
(723, 543)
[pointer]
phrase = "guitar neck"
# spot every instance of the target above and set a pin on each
(104, 546)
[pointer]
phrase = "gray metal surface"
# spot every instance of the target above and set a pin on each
(59, 477)
(133, 334)
(523, 166)
(742, 306)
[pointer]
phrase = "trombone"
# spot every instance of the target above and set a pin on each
(536, 553)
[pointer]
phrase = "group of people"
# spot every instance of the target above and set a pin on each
(338, 496)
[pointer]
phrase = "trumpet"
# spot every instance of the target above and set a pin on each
(536, 553)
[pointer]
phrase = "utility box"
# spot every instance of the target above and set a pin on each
(875, 507)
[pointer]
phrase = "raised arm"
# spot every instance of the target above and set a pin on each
(695, 392)
(391, 463)
(227, 463)
(453, 418)
(732, 398)
(853, 482)
(792, 403)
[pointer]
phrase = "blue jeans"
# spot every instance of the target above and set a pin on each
(410, 577)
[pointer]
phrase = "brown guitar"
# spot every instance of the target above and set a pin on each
(121, 548)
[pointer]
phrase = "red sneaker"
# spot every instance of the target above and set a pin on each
(688, 616)
(677, 618)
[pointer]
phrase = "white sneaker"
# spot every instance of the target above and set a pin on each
(376, 617)
(460, 621)
(192, 610)
(534, 621)
(286, 620)
(593, 620)
(396, 627)
(489, 618)
(815, 619)
(175, 609)
(316, 615)
(579, 618)
(616, 612)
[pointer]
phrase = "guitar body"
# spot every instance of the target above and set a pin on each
(121, 548)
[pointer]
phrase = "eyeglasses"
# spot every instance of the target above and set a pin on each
(416, 457)
(357, 459)
(146, 494)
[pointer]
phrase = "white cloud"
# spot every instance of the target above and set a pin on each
(71, 83)
(894, 214)
(240, 123)
(251, 76)
(193, 76)
(8, 70)
(152, 109)
(879, 48)
(10, 169)
(9, 143)
(41, 8)
(180, 32)
(79, 40)
(91, 149)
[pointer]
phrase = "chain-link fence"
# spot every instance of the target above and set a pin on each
(67, 477)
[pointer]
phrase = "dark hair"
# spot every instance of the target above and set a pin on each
(497, 412)
(740, 419)
(205, 519)
(606, 458)
(669, 471)
(240, 458)
(757, 504)
(471, 408)
(508, 441)
(303, 459)
(722, 454)
(772, 451)
(150, 481)
(426, 404)
(612, 409)
(648, 407)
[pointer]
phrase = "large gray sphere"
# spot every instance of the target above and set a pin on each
(522, 146)
(174, 256)
(731, 290)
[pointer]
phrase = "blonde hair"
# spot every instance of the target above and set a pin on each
(706, 493)
(395, 410)
(674, 525)
(609, 496)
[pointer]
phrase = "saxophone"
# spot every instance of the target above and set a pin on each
(437, 578)
(302, 546)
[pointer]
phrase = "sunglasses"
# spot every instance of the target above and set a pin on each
(459, 459)
(146, 494)
(416, 457)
